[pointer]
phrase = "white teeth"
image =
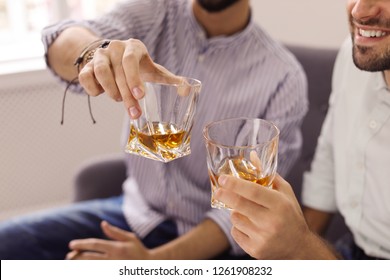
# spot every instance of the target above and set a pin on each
(371, 33)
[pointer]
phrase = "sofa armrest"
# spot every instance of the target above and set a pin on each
(100, 177)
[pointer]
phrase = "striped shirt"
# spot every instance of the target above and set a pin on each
(246, 74)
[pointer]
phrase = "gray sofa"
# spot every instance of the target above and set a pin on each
(103, 176)
(318, 65)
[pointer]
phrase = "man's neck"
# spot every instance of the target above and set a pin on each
(227, 22)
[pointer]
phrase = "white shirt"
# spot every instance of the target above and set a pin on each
(351, 168)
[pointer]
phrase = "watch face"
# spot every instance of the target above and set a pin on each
(214, 6)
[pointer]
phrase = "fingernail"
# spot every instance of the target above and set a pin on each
(134, 112)
(138, 93)
(106, 224)
(222, 180)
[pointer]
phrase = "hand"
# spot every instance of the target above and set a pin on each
(267, 223)
(120, 70)
(123, 246)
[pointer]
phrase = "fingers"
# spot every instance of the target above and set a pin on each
(134, 55)
(139, 67)
(245, 224)
(120, 70)
(110, 71)
(116, 233)
(242, 205)
(253, 192)
(243, 240)
(248, 190)
(79, 255)
(73, 255)
(104, 74)
(282, 185)
(97, 76)
(90, 244)
(164, 76)
(88, 80)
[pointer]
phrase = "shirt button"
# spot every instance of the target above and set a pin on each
(360, 165)
(201, 57)
(354, 204)
(373, 124)
(354, 201)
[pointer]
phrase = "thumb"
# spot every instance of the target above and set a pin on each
(282, 185)
(184, 85)
(116, 233)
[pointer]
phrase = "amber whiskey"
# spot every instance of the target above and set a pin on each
(156, 140)
(238, 167)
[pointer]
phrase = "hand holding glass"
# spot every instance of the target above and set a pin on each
(242, 147)
(163, 131)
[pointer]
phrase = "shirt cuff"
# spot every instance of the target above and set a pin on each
(49, 35)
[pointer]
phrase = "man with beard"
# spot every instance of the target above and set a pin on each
(165, 210)
(350, 171)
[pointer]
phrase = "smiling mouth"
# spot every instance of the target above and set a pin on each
(371, 33)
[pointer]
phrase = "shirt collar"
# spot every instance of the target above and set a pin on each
(381, 86)
(380, 81)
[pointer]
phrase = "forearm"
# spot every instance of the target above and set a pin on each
(205, 241)
(66, 48)
(315, 248)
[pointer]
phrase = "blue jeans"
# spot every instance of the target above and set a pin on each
(46, 235)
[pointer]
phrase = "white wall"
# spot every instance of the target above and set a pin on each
(319, 23)
(38, 157)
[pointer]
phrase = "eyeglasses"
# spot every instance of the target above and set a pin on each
(75, 81)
